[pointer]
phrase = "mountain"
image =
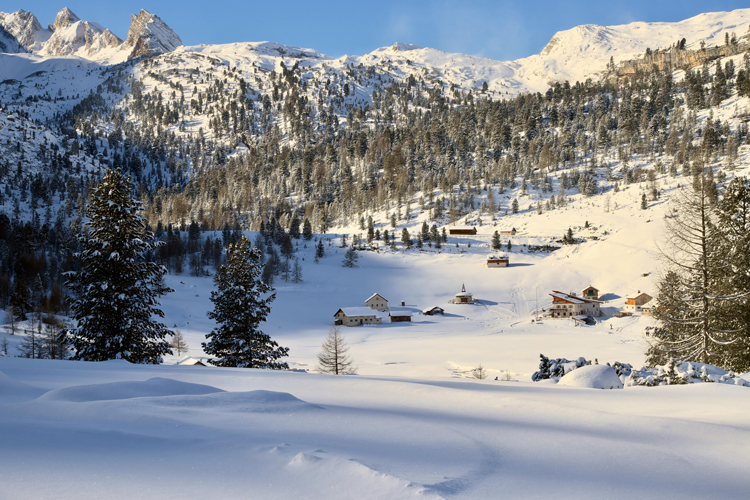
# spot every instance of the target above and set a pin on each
(25, 28)
(71, 36)
(68, 36)
(149, 36)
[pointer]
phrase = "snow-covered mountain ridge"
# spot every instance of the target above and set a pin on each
(575, 54)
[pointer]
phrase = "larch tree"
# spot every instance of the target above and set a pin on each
(693, 297)
(242, 301)
(334, 355)
(117, 289)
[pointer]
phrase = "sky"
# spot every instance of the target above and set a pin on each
(497, 29)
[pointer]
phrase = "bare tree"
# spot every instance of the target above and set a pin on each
(480, 372)
(30, 346)
(178, 343)
(10, 318)
(691, 297)
(4, 346)
(333, 357)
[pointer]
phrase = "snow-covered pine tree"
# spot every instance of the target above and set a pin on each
(117, 290)
(241, 303)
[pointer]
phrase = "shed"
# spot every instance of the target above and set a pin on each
(508, 232)
(501, 260)
(433, 311)
(400, 315)
(462, 230)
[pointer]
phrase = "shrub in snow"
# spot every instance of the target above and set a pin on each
(592, 376)
(556, 368)
(671, 373)
(680, 372)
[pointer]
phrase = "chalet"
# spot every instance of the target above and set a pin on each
(400, 315)
(501, 260)
(508, 232)
(462, 230)
(358, 316)
(377, 302)
(566, 305)
(189, 361)
(635, 304)
(590, 293)
(464, 297)
(433, 311)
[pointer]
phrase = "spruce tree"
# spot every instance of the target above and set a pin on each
(350, 258)
(496, 241)
(117, 290)
(241, 303)
(307, 232)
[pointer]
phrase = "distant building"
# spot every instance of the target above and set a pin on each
(501, 260)
(590, 293)
(565, 305)
(508, 232)
(358, 316)
(377, 302)
(464, 297)
(189, 361)
(462, 230)
(433, 311)
(635, 304)
(400, 315)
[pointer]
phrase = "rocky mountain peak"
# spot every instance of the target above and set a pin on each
(25, 28)
(64, 18)
(150, 36)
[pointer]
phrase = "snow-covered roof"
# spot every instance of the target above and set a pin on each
(569, 298)
(361, 311)
(191, 361)
(375, 295)
(401, 312)
(463, 228)
(502, 256)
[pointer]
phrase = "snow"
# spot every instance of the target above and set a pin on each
(593, 377)
(288, 434)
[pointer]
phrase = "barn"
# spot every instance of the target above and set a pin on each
(462, 231)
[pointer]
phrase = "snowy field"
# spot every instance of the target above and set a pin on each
(112, 430)
(410, 424)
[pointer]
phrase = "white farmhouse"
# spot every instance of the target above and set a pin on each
(377, 302)
(358, 316)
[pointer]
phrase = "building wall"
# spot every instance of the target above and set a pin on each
(377, 303)
(497, 263)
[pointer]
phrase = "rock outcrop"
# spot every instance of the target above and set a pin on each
(25, 28)
(71, 36)
(149, 36)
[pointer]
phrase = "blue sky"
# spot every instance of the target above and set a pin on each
(498, 29)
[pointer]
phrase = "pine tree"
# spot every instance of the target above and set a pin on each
(496, 241)
(644, 202)
(307, 232)
(320, 250)
(351, 257)
(241, 303)
(333, 357)
(514, 206)
(117, 290)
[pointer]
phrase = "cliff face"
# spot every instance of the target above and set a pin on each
(150, 36)
(674, 58)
